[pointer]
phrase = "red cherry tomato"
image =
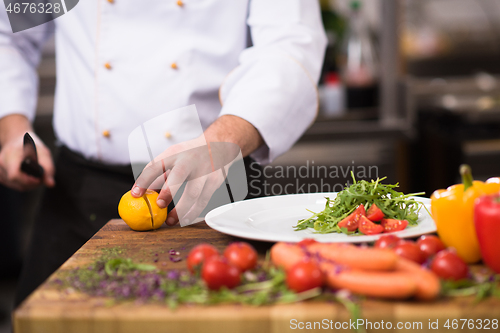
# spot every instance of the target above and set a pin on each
(241, 255)
(374, 213)
(199, 254)
(430, 245)
(392, 225)
(352, 221)
(367, 227)
(303, 276)
(306, 242)
(217, 272)
(410, 251)
(387, 242)
(449, 266)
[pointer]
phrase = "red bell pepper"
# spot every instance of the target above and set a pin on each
(487, 224)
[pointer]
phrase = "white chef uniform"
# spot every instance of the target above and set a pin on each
(121, 63)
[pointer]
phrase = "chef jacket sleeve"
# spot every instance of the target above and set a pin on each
(19, 57)
(274, 86)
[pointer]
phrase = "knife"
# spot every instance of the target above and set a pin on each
(30, 164)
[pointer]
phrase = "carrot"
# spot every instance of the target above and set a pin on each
(356, 257)
(394, 285)
(428, 286)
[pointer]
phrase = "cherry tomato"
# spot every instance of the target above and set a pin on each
(306, 242)
(352, 221)
(367, 227)
(200, 253)
(374, 213)
(241, 255)
(392, 225)
(410, 251)
(449, 266)
(303, 276)
(430, 245)
(387, 242)
(217, 272)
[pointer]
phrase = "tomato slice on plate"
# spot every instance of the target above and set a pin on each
(391, 225)
(374, 213)
(367, 227)
(352, 221)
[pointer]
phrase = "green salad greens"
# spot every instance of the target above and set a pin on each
(394, 205)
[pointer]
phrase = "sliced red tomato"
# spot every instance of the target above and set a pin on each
(352, 221)
(374, 213)
(391, 225)
(367, 227)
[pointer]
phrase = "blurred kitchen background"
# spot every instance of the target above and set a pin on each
(410, 87)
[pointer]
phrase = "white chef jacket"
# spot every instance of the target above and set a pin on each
(121, 63)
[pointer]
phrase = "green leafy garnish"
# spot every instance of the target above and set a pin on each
(120, 266)
(468, 287)
(394, 205)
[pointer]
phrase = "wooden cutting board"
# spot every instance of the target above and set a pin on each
(54, 311)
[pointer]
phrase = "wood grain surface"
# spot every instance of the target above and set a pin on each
(52, 310)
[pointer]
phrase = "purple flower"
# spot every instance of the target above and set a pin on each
(125, 291)
(173, 275)
(261, 276)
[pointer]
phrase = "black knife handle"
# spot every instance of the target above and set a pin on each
(32, 168)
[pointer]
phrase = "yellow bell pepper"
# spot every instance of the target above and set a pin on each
(453, 211)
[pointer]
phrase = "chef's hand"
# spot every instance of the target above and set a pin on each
(199, 165)
(12, 130)
(194, 163)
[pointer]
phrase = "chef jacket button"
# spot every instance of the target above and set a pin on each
(106, 134)
(174, 65)
(107, 65)
(180, 3)
(168, 135)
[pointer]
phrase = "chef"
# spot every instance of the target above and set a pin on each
(249, 66)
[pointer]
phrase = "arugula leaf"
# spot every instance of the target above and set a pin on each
(394, 205)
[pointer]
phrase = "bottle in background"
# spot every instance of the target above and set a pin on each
(358, 63)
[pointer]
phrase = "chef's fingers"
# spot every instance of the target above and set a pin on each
(11, 175)
(172, 217)
(179, 173)
(150, 173)
(45, 160)
(192, 191)
(159, 182)
(165, 196)
(211, 185)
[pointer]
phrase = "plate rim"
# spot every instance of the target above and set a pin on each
(269, 238)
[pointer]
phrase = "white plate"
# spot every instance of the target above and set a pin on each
(272, 219)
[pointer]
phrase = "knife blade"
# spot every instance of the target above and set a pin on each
(30, 165)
